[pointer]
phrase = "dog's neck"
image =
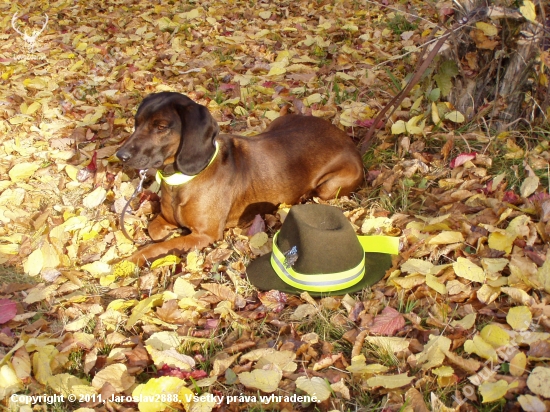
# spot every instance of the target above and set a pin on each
(172, 177)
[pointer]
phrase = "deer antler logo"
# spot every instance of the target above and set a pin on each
(30, 40)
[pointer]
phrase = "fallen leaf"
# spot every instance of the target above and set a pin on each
(529, 185)
(166, 385)
(528, 11)
(314, 387)
(389, 322)
(537, 382)
(264, 380)
(493, 391)
(116, 375)
(466, 269)
(530, 403)
(8, 309)
(390, 381)
(519, 318)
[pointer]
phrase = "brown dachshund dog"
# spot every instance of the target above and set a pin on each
(235, 177)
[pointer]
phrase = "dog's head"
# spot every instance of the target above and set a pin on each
(170, 128)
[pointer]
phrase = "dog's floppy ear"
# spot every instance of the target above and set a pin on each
(198, 130)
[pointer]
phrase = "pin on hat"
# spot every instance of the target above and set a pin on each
(318, 251)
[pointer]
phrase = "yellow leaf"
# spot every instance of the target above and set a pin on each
(466, 322)
(264, 380)
(23, 171)
(519, 318)
(164, 340)
(166, 261)
(63, 383)
(495, 336)
(466, 269)
(480, 348)
(141, 309)
(190, 15)
(455, 117)
(313, 98)
(116, 375)
(37, 83)
(528, 11)
(415, 266)
(41, 359)
(194, 261)
(443, 371)
(272, 114)
(393, 344)
(28, 110)
(95, 198)
(544, 275)
(283, 359)
(435, 114)
(529, 185)
(97, 268)
(79, 323)
(433, 353)
(265, 14)
(487, 294)
(413, 127)
(409, 282)
(34, 263)
(518, 364)
(359, 367)
(487, 29)
(399, 127)
(494, 265)
(538, 380)
(121, 305)
(390, 381)
(9, 383)
(275, 71)
(124, 269)
(49, 255)
(183, 288)
(434, 283)
(234, 100)
(518, 295)
(170, 357)
(315, 387)
(258, 240)
(166, 385)
(39, 292)
(493, 391)
(239, 110)
(501, 241)
(446, 238)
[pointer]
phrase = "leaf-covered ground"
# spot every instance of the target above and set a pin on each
(460, 321)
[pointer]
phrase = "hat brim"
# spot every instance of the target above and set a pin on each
(260, 272)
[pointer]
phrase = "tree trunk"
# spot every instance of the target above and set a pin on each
(496, 71)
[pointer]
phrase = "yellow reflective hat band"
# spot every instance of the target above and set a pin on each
(380, 244)
(325, 282)
(180, 178)
(315, 282)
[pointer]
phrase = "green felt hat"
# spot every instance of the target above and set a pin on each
(318, 251)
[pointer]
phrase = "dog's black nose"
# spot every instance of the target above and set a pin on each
(123, 155)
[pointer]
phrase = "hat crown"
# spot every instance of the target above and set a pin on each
(324, 239)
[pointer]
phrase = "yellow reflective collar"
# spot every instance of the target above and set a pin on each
(331, 281)
(179, 178)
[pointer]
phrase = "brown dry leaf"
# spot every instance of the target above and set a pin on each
(225, 293)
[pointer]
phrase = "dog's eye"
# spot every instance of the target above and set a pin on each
(161, 126)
